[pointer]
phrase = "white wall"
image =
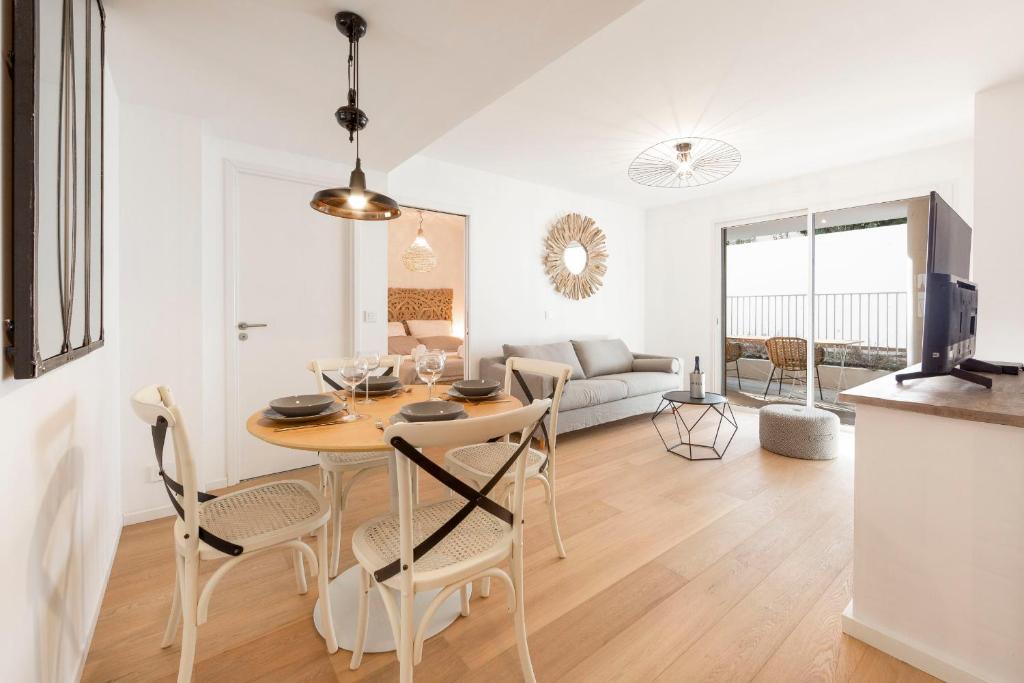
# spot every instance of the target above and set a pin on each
(999, 220)
(683, 260)
(60, 499)
(175, 326)
(509, 296)
(161, 289)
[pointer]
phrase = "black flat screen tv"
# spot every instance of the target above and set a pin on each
(949, 240)
(951, 299)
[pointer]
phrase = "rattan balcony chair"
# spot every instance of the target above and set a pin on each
(733, 353)
(789, 355)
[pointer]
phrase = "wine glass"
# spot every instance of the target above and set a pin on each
(372, 363)
(429, 367)
(352, 371)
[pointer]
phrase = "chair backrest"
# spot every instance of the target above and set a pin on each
(156, 402)
(790, 353)
(318, 366)
(558, 372)
(452, 434)
(733, 352)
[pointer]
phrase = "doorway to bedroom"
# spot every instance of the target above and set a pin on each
(427, 275)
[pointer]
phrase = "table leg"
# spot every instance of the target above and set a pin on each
(344, 608)
(681, 424)
(842, 372)
(345, 599)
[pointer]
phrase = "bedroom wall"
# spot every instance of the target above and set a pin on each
(59, 465)
(682, 239)
(446, 235)
(509, 297)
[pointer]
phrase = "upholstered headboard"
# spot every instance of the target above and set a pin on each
(419, 304)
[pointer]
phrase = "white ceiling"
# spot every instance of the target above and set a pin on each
(566, 93)
(796, 85)
(272, 72)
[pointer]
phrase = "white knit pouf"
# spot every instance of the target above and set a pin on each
(799, 431)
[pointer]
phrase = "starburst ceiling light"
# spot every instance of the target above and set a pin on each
(354, 201)
(418, 256)
(684, 162)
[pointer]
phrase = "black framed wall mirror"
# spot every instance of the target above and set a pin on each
(57, 185)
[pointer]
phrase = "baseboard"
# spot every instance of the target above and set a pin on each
(149, 514)
(87, 644)
(906, 651)
(139, 516)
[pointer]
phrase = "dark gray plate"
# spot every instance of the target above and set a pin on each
(378, 383)
(431, 411)
(477, 387)
(376, 392)
(303, 405)
(397, 417)
(455, 393)
(272, 414)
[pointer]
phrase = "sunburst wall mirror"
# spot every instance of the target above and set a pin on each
(575, 256)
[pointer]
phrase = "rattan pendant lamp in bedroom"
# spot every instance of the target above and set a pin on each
(355, 201)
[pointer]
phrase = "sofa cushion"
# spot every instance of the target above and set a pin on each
(642, 383)
(656, 365)
(603, 356)
(559, 352)
(581, 393)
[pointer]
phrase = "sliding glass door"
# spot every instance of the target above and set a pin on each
(790, 338)
(764, 309)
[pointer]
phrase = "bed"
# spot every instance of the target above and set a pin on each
(420, 319)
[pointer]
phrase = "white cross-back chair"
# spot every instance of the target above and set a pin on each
(334, 466)
(479, 462)
(236, 525)
(449, 544)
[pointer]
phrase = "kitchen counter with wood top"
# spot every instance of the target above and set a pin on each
(938, 538)
(947, 397)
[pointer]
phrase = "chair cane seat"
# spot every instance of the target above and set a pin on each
(263, 515)
(480, 540)
(481, 461)
(356, 461)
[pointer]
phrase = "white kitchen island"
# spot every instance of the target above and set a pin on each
(939, 525)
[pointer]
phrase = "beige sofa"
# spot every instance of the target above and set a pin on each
(609, 382)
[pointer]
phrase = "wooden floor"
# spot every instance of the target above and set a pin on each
(677, 571)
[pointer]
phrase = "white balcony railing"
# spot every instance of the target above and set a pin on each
(877, 320)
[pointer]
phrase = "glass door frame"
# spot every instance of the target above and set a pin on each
(718, 344)
(945, 187)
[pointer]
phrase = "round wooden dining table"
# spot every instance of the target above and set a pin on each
(365, 435)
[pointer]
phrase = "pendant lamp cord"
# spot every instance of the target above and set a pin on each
(353, 84)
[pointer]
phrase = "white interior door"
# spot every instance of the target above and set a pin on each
(293, 276)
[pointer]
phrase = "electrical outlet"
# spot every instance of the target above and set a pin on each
(369, 316)
(152, 474)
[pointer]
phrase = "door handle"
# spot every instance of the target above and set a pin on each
(245, 326)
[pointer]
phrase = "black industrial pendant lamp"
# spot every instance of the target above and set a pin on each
(354, 201)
